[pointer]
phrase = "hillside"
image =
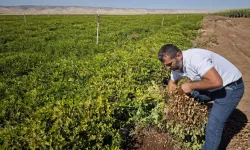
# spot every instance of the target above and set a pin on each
(18, 10)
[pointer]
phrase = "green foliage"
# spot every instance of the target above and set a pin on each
(235, 13)
(59, 90)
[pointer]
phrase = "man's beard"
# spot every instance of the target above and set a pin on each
(179, 66)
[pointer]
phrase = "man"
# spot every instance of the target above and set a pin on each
(213, 78)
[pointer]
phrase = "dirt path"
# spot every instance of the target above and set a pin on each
(230, 37)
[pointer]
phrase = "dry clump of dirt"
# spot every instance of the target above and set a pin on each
(152, 139)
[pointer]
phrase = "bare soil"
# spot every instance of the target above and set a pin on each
(151, 139)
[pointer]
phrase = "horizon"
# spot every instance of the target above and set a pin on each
(100, 7)
(133, 4)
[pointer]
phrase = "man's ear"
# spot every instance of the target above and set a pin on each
(179, 55)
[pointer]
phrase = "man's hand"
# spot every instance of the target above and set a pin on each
(186, 87)
(172, 85)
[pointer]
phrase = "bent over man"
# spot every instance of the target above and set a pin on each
(213, 78)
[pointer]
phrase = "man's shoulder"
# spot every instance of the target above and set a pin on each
(196, 52)
(194, 56)
(189, 52)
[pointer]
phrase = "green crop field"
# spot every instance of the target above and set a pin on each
(61, 90)
(235, 13)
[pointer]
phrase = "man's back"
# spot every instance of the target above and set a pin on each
(196, 62)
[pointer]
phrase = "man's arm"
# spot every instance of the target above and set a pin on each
(211, 80)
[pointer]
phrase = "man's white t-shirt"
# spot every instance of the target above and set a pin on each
(196, 62)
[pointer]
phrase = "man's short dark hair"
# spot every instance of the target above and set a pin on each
(168, 49)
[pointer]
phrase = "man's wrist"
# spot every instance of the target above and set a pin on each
(192, 86)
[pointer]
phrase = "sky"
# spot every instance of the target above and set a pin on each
(150, 4)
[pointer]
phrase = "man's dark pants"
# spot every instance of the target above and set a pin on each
(225, 101)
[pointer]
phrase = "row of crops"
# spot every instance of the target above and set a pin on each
(235, 13)
(60, 90)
